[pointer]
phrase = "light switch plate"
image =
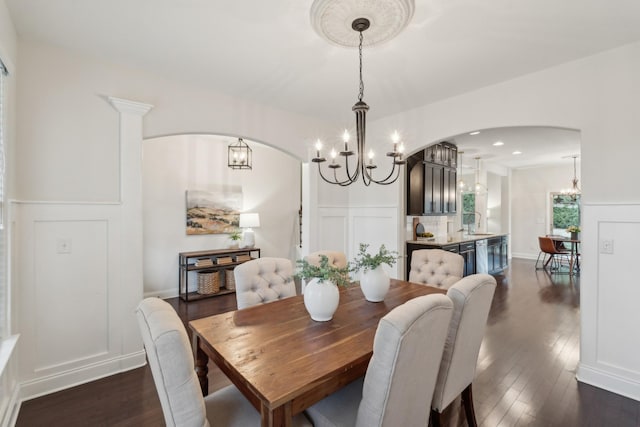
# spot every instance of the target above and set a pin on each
(63, 245)
(606, 246)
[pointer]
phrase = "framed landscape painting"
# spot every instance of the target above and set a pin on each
(213, 211)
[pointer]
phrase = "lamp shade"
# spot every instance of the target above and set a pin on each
(249, 220)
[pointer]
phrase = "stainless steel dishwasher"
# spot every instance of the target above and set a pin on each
(482, 257)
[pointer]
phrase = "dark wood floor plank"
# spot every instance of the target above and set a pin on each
(525, 374)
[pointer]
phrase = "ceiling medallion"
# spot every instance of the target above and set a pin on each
(332, 19)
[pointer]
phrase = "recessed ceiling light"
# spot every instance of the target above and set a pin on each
(515, 153)
(475, 132)
(498, 143)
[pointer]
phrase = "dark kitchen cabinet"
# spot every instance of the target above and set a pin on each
(497, 251)
(468, 252)
(415, 186)
(504, 252)
(431, 181)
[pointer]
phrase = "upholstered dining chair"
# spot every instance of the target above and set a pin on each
(401, 375)
(554, 252)
(471, 297)
(171, 361)
(436, 267)
(335, 258)
(263, 280)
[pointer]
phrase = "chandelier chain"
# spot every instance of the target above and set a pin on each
(361, 93)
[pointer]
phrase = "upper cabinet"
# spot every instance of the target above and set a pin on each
(431, 180)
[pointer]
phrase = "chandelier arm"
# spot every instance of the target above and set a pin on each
(353, 178)
(335, 180)
(349, 179)
(386, 181)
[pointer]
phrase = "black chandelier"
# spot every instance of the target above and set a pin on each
(239, 155)
(362, 167)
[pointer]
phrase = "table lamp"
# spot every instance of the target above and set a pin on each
(249, 221)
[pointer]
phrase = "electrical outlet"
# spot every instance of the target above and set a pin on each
(606, 246)
(63, 245)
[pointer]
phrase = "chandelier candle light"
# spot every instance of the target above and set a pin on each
(362, 166)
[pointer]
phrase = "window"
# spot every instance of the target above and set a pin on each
(469, 212)
(565, 211)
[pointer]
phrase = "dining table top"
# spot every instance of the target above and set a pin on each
(277, 355)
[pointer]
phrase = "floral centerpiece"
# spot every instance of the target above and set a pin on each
(324, 272)
(321, 296)
(374, 281)
(574, 230)
(365, 261)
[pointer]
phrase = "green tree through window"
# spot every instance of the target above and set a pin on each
(565, 211)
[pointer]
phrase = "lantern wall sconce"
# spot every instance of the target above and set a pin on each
(239, 155)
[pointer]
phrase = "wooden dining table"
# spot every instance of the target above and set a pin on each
(282, 360)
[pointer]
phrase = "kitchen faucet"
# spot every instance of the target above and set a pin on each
(479, 220)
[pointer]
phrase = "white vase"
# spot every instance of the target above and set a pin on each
(321, 299)
(375, 284)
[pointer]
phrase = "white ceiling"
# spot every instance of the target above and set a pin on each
(267, 51)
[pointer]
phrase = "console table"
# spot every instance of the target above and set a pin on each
(217, 260)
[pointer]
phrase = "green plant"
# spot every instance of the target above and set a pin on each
(365, 261)
(573, 229)
(235, 235)
(324, 271)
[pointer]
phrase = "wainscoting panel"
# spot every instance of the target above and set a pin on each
(344, 228)
(71, 291)
(71, 295)
(609, 295)
(333, 229)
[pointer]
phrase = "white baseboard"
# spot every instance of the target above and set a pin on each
(162, 294)
(608, 381)
(524, 255)
(64, 380)
(10, 417)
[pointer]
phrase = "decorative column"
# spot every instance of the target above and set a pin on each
(131, 260)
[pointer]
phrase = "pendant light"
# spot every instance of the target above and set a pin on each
(363, 166)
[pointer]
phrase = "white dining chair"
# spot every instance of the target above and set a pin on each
(471, 298)
(263, 280)
(436, 267)
(402, 373)
(172, 366)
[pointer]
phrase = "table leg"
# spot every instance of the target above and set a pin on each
(201, 360)
(277, 417)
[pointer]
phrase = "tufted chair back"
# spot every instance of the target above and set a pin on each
(262, 280)
(336, 259)
(436, 267)
(472, 297)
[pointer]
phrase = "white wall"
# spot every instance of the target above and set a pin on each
(531, 210)
(600, 97)
(76, 162)
(175, 164)
(9, 388)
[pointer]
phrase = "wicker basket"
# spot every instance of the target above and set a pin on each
(229, 280)
(208, 282)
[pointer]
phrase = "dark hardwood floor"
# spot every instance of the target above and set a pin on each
(525, 375)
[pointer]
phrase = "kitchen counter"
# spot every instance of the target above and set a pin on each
(463, 238)
(482, 253)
